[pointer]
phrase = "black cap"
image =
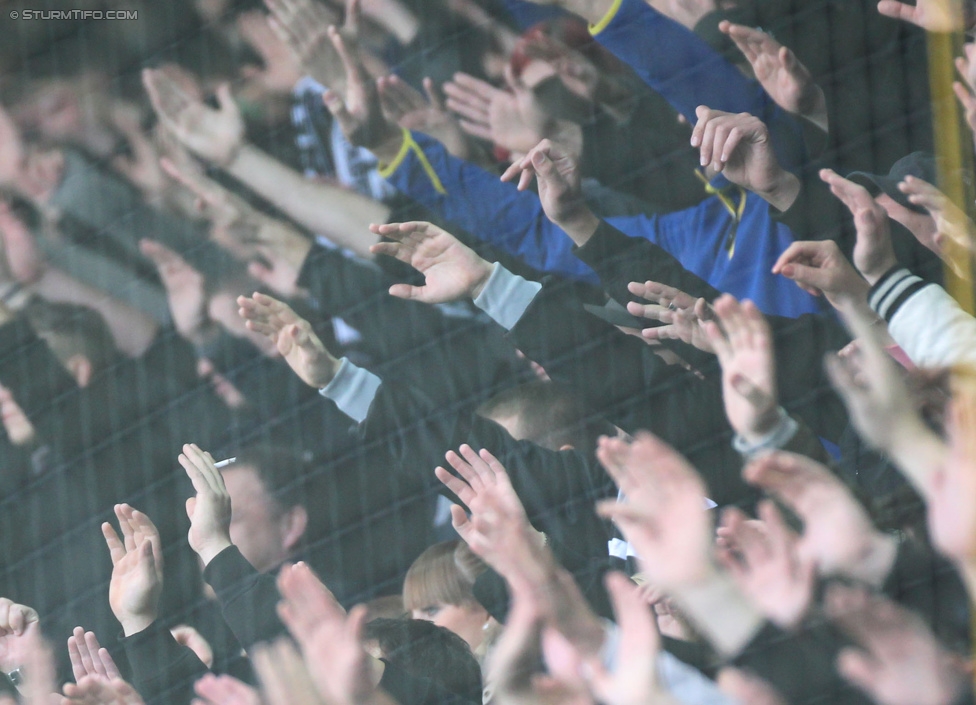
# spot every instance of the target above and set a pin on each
(921, 165)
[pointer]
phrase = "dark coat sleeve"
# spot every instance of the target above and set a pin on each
(163, 671)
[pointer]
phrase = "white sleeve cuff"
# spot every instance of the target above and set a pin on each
(506, 296)
(777, 438)
(352, 389)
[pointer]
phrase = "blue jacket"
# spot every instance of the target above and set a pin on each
(515, 222)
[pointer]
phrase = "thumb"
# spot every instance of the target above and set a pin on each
(191, 505)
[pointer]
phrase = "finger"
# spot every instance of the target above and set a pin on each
(74, 655)
(116, 548)
(456, 485)
(464, 469)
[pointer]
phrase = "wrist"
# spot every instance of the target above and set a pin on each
(388, 147)
(764, 425)
(481, 279)
(873, 275)
(211, 549)
(580, 226)
(875, 561)
(133, 624)
(783, 192)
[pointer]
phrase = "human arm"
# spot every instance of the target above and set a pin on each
(217, 136)
(132, 329)
(880, 407)
(954, 230)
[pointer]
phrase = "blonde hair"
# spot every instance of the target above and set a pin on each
(444, 574)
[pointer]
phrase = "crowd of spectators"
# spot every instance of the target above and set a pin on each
(486, 351)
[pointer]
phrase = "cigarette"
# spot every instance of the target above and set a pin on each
(224, 463)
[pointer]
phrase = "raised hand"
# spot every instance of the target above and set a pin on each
(88, 658)
(786, 80)
(303, 26)
(763, 558)
(292, 335)
(633, 681)
(838, 535)
(330, 639)
(275, 249)
(899, 661)
(226, 690)
(931, 15)
(953, 228)
(744, 347)
(820, 268)
(951, 515)
(213, 134)
(17, 624)
(283, 676)
(359, 113)
(405, 106)
(502, 117)
(12, 154)
(873, 253)
(663, 515)
(879, 403)
(451, 269)
(137, 572)
(20, 258)
(498, 529)
(738, 146)
(99, 690)
(966, 65)
(281, 70)
(560, 192)
(683, 314)
(209, 511)
(185, 291)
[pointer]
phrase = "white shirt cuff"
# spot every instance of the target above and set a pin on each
(352, 389)
(506, 296)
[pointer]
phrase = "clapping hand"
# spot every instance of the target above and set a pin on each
(744, 347)
(88, 658)
(209, 511)
(137, 572)
(838, 535)
(663, 515)
(762, 557)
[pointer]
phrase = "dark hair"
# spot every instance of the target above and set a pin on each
(71, 330)
(426, 650)
(549, 414)
(282, 473)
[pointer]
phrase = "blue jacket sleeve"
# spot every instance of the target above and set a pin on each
(684, 69)
(488, 208)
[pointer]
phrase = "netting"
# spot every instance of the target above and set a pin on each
(186, 196)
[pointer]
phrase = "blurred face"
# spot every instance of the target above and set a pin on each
(15, 422)
(467, 621)
(257, 526)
